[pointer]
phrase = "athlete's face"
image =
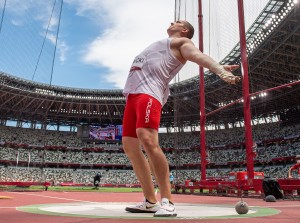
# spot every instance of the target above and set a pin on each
(177, 26)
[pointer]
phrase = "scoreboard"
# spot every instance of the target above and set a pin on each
(103, 133)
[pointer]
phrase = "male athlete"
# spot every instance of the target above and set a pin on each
(146, 91)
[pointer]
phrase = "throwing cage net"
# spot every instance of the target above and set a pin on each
(246, 33)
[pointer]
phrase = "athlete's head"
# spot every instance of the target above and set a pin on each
(190, 28)
(181, 28)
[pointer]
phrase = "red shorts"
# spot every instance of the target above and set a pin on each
(141, 111)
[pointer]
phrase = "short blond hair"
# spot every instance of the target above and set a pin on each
(191, 31)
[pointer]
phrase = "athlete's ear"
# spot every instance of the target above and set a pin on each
(184, 32)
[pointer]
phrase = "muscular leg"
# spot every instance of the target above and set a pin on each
(152, 169)
(149, 140)
(132, 148)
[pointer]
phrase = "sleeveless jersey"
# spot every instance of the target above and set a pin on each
(152, 70)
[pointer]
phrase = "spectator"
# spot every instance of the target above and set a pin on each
(171, 179)
(97, 180)
(295, 167)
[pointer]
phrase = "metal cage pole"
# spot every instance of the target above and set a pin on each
(202, 97)
(246, 95)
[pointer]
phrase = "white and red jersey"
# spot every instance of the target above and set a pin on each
(152, 71)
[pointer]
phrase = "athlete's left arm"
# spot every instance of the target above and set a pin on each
(191, 53)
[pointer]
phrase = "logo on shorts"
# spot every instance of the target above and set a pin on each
(149, 105)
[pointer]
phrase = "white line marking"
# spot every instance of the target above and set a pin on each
(67, 199)
(282, 206)
(8, 207)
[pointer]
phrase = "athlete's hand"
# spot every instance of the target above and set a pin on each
(227, 76)
(224, 72)
(231, 67)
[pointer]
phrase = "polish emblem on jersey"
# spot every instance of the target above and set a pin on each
(138, 62)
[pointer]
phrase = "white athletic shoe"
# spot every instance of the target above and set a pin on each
(166, 210)
(144, 207)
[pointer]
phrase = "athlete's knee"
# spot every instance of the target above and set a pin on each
(148, 138)
(130, 145)
(149, 144)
